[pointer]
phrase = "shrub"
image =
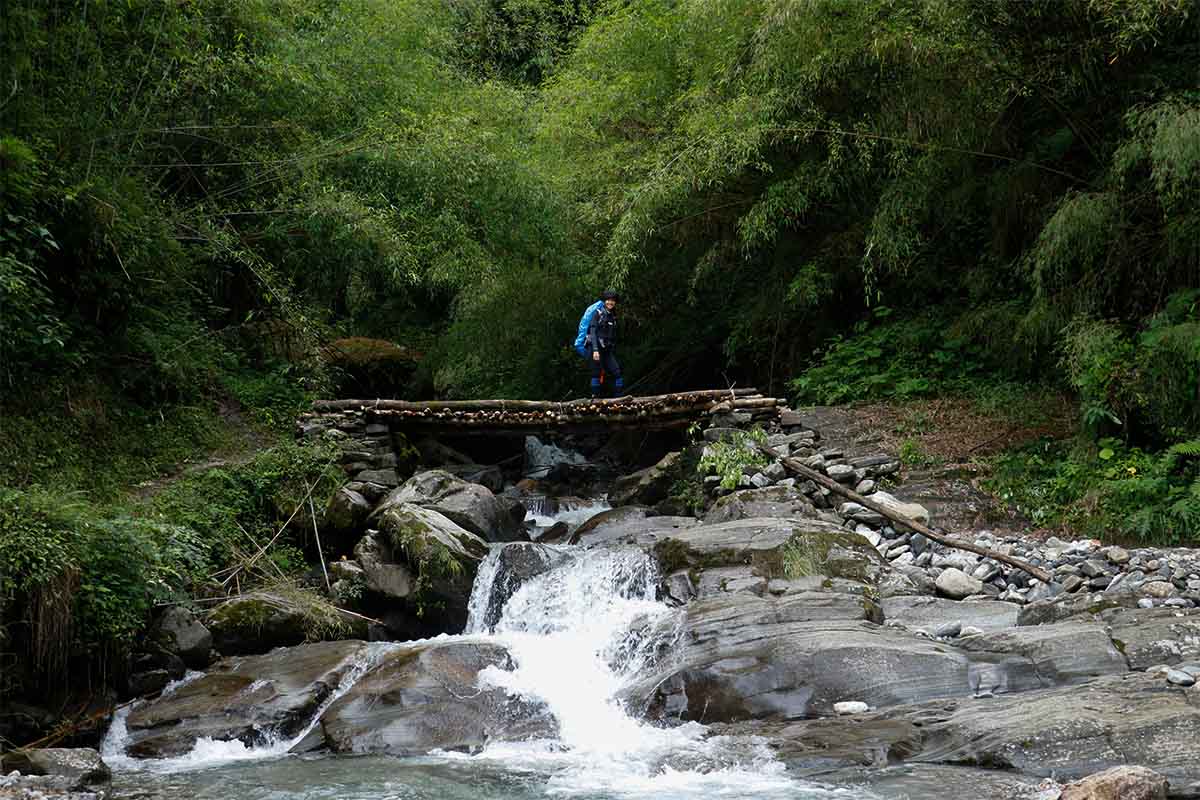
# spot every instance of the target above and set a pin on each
(371, 367)
(731, 457)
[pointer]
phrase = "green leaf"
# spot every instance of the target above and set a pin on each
(1106, 454)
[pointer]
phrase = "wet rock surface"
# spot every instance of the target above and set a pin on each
(427, 696)
(252, 699)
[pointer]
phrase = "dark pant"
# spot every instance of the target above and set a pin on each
(612, 373)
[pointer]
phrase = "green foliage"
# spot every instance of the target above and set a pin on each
(731, 457)
(1106, 491)
(898, 359)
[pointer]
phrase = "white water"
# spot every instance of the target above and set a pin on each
(573, 515)
(578, 635)
(208, 752)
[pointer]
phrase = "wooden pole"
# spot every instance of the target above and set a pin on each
(312, 512)
(958, 544)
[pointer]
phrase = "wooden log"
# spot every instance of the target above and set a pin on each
(958, 544)
(539, 405)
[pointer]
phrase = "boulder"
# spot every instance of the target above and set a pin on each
(781, 502)
(626, 524)
(347, 511)
(81, 765)
(469, 505)
(381, 574)
(260, 621)
(441, 556)
(252, 699)
(1148, 637)
(490, 476)
(180, 632)
(773, 547)
(956, 584)
(427, 696)
(1118, 783)
(647, 486)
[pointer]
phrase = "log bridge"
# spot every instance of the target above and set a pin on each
(512, 417)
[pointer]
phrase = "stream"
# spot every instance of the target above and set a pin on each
(578, 634)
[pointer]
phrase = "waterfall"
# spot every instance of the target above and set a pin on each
(578, 634)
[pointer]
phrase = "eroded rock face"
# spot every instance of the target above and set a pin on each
(780, 502)
(930, 613)
(627, 524)
(426, 696)
(741, 656)
(1071, 732)
(245, 698)
(469, 505)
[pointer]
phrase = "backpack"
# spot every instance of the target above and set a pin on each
(584, 322)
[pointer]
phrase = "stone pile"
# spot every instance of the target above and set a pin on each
(1153, 576)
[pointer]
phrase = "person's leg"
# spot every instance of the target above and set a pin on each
(597, 366)
(612, 370)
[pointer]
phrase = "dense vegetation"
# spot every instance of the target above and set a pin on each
(210, 211)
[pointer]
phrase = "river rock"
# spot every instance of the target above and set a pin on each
(1118, 783)
(780, 502)
(1154, 636)
(488, 476)
(442, 556)
(347, 511)
(1070, 732)
(81, 765)
(1069, 652)
(741, 656)
(647, 486)
(421, 697)
(469, 505)
(180, 632)
(259, 621)
(932, 612)
(381, 574)
(627, 524)
(956, 584)
(247, 698)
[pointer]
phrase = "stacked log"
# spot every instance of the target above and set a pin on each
(675, 410)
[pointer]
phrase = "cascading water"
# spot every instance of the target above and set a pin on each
(578, 633)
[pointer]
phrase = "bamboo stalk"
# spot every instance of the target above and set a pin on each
(958, 544)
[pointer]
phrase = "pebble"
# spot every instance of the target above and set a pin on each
(970, 630)
(851, 707)
(1180, 678)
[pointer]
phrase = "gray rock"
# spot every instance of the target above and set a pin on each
(421, 697)
(913, 511)
(1069, 652)
(956, 584)
(1157, 589)
(180, 632)
(384, 477)
(759, 481)
(948, 630)
(647, 486)
(81, 765)
(381, 573)
(627, 524)
(469, 505)
(775, 471)
(1069, 732)
(865, 487)
(1180, 678)
(1117, 555)
(347, 511)
(842, 473)
(249, 699)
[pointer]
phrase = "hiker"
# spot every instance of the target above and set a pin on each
(599, 339)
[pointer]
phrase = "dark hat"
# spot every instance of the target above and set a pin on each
(610, 294)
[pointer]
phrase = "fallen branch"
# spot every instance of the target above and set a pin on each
(958, 544)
